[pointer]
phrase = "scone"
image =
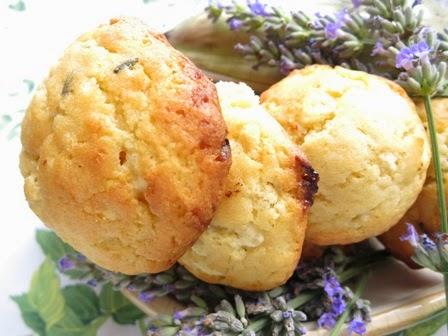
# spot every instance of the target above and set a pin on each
(124, 149)
(424, 214)
(255, 239)
(363, 136)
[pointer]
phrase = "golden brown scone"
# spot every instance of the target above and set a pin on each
(424, 214)
(363, 136)
(255, 239)
(124, 149)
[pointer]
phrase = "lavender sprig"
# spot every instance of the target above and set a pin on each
(376, 36)
(430, 252)
(213, 310)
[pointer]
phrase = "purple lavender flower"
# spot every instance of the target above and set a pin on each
(188, 331)
(332, 286)
(65, 264)
(357, 325)
(302, 331)
(286, 65)
(287, 314)
(416, 2)
(335, 294)
(427, 243)
(326, 320)
(146, 296)
(132, 287)
(257, 8)
(317, 22)
(338, 304)
(92, 282)
(235, 24)
(409, 55)
(410, 236)
(378, 49)
(332, 28)
(356, 3)
(180, 314)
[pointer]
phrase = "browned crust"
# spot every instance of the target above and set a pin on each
(307, 179)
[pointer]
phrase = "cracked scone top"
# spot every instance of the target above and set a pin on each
(255, 239)
(363, 136)
(124, 149)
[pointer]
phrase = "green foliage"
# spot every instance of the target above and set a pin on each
(75, 310)
(31, 318)
(83, 301)
(52, 246)
(45, 296)
(121, 309)
(18, 6)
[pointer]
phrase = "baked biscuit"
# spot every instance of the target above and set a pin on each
(124, 149)
(424, 214)
(363, 136)
(255, 239)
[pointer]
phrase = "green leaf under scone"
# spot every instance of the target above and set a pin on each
(115, 303)
(54, 248)
(29, 315)
(83, 301)
(45, 295)
(128, 314)
(71, 325)
(52, 245)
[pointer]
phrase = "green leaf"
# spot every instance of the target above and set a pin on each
(29, 315)
(18, 6)
(52, 245)
(29, 84)
(429, 326)
(92, 328)
(128, 314)
(83, 301)
(45, 295)
(115, 303)
(72, 326)
(111, 300)
(5, 119)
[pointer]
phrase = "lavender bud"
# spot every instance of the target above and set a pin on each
(146, 296)
(240, 309)
(65, 264)
(163, 279)
(276, 315)
(226, 306)
(92, 282)
(189, 312)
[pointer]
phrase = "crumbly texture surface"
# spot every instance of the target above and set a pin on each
(255, 239)
(424, 214)
(124, 149)
(363, 136)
